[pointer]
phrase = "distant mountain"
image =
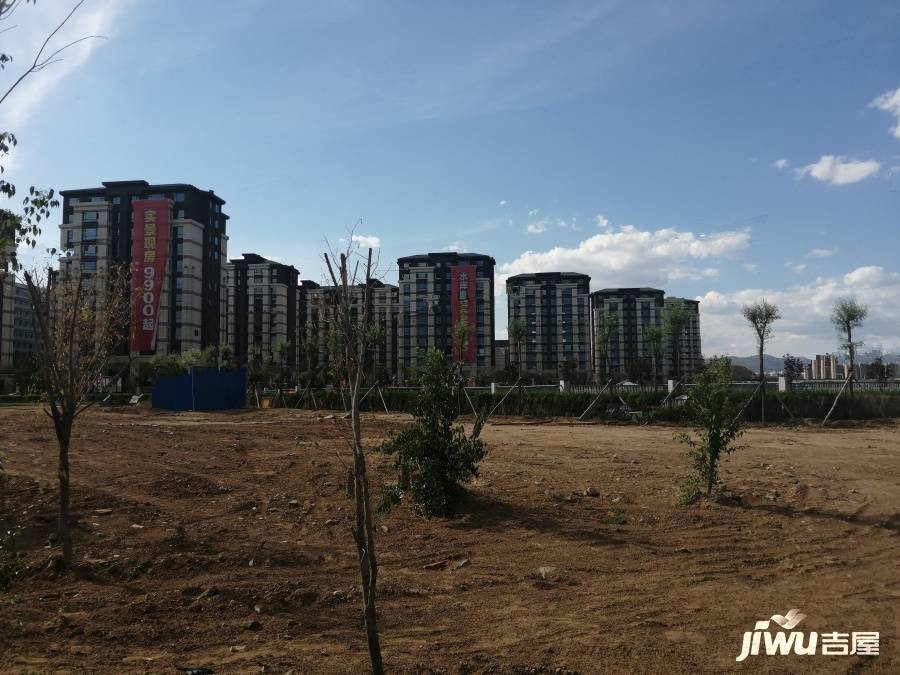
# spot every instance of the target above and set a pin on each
(770, 362)
(776, 363)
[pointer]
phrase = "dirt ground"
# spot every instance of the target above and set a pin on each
(222, 541)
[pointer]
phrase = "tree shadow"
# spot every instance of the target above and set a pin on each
(484, 512)
(889, 522)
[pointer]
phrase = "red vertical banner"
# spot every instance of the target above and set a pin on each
(462, 308)
(149, 255)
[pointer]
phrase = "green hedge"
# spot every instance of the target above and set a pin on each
(864, 405)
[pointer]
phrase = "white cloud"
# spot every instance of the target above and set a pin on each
(538, 227)
(805, 327)
(94, 18)
(567, 225)
(780, 163)
(839, 170)
(796, 269)
(533, 212)
(631, 257)
(822, 252)
(750, 267)
(454, 246)
(602, 221)
(366, 241)
(503, 202)
(889, 102)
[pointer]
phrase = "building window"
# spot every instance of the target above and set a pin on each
(90, 217)
(89, 266)
(89, 233)
(179, 197)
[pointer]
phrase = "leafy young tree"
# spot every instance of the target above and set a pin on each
(433, 456)
(761, 315)
(793, 367)
(79, 320)
(675, 321)
(517, 332)
(461, 332)
(607, 326)
(717, 422)
(847, 315)
(653, 338)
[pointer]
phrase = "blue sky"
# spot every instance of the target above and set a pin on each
(724, 151)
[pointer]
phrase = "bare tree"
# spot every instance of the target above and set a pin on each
(847, 315)
(761, 315)
(23, 229)
(79, 321)
(353, 321)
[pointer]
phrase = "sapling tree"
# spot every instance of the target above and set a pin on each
(352, 321)
(517, 333)
(80, 320)
(675, 321)
(761, 315)
(434, 457)
(653, 339)
(792, 367)
(607, 326)
(848, 314)
(717, 423)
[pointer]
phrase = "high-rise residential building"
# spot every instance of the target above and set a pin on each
(690, 357)
(319, 328)
(553, 306)
(627, 352)
(825, 367)
(447, 303)
(174, 237)
(260, 320)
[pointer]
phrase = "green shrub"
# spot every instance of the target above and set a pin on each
(434, 457)
(718, 423)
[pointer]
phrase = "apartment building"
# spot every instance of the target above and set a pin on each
(174, 237)
(319, 337)
(627, 352)
(440, 293)
(690, 358)
(260, 321)
(826, 367)
(553, 306)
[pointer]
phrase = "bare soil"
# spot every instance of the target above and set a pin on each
(222, 540)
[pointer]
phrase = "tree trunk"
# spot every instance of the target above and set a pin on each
(762, 387)
(711, 472)
(63, 435)
(364, 534)
(852, 358)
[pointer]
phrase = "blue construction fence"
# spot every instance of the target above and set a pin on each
(202, 389)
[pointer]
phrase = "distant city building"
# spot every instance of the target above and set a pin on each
(260, 322)
(824, 367)
(319, 329)
(690, 359)
(628, 352)
(440, 293)
(553, 306)
(181, 249)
